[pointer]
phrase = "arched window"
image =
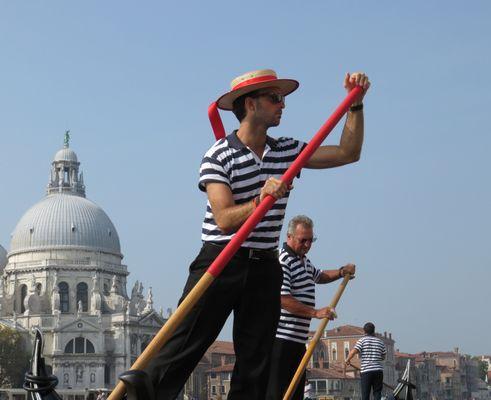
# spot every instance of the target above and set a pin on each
(79, 345)
(334, 352)
(89, 347)
(23, 294)
(39, 288)
(83, 295)
(64, 297)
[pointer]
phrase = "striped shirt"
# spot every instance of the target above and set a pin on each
(372, 352)
(299, 278)
(230, 162)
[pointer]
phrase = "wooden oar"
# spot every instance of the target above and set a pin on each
(314, 341)
(231, 248)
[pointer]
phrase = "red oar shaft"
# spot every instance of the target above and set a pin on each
(227, 253)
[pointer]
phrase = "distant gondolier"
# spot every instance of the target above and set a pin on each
(372, 352)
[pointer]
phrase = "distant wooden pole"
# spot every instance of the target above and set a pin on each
(314, 341)
(231, 248)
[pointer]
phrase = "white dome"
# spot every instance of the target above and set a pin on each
(65, 154)
(3, 258)
(65, 221)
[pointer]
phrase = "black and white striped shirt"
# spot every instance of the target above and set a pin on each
(372, 352)
(299, 278)
(230, 162)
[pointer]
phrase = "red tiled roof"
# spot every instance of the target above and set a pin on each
(223, 368)
(351, 330)
(443, 354)
(426, 354)
(405, 355)
(221, 347)
(317, 373)
(345, 330)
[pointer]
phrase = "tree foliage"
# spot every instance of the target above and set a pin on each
(14, 359)
(483, 369)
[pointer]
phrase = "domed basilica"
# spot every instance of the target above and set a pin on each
(64, 274)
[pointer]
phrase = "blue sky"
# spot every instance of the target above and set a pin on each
(132, 81)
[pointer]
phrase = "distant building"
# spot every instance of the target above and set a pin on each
(326, 374)
(425, 374)
(3, 258)
(63, 274)
(445, 375)
(333, 384)
(219, 381)
(211, 377)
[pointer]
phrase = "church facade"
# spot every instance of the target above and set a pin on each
(63, 273)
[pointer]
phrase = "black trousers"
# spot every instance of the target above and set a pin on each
(372, 380)
(285, 359)
(251, 289)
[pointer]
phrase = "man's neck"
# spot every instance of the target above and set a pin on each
(253, 136)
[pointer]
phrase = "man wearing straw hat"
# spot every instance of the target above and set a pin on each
(297, 306)
(237, 173)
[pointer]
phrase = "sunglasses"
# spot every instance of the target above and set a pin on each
(307, 240)
(275, 98)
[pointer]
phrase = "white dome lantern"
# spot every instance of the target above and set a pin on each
(65, 154)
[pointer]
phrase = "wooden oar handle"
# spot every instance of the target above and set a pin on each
(166, 331)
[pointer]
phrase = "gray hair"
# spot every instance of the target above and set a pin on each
(299, 220)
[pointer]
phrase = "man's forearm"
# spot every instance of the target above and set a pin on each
(351, 354)
(330, 275)
(352, 137)
(230, 219)
(292, 305)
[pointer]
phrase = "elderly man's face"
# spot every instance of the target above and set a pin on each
(301, 240)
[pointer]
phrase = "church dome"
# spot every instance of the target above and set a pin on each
(65, 219)
(3, 258)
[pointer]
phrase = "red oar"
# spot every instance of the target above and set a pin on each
(227, 253)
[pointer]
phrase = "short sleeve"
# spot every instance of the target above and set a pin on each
(286, 286)
(316, 274)
(212, 170)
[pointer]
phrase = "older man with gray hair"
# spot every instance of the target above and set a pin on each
(297, 305)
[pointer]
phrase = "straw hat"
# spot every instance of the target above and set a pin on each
(241, 85)
(252, 81)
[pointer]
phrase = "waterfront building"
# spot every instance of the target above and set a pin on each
(63, 273)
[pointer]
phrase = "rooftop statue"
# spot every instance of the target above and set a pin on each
(66, 142)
